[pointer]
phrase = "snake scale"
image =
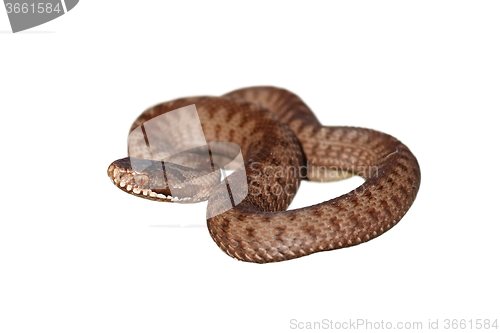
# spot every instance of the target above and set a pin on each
(278, 134)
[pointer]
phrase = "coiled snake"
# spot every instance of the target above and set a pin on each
(278, 135)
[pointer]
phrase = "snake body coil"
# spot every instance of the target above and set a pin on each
(281, 142)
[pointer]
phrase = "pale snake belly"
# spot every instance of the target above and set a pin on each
(278, 135)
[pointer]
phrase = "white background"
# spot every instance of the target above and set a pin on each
(78, 255)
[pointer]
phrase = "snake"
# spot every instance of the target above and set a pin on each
(281, 143)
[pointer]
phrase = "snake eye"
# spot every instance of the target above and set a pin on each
(141, 179)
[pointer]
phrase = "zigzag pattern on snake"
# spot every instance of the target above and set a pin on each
(278, 134)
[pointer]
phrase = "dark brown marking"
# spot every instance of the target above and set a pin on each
(280, 232)
(250, 232)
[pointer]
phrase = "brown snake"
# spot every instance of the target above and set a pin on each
(278, 134)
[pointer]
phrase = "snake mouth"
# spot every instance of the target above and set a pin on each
(163, 181)
(137, 183)
(150, 183)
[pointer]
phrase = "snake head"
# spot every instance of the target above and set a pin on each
(164, 181)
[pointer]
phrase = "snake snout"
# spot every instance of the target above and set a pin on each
(162, 181)
(140, 177)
